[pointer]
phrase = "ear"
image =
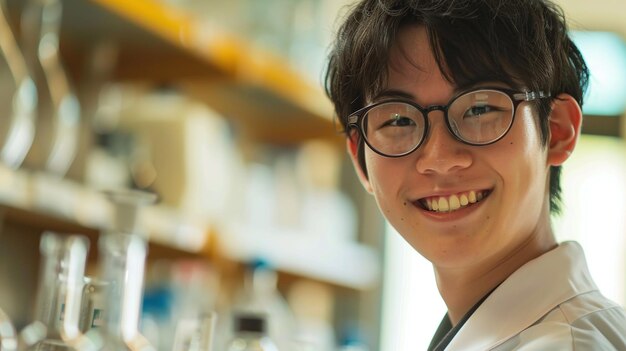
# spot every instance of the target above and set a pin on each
(565, 122)
(352, 148)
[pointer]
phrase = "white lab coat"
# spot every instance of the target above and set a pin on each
(550, 303)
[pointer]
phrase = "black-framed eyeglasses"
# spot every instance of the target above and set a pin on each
(397, 127)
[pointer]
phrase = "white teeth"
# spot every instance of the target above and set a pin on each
(464, 200)
(472, 197)
(443, 204)
(453, 202)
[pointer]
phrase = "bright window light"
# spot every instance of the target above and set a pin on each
(605, 55)
(594, 198)
(412, 307)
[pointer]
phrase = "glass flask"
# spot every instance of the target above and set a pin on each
(260, 295)
(8, 339)
(57, 309)
(122, 258)
(127, 204)
(18, 98)
(58, 121)
(122, 255)
(251, 334)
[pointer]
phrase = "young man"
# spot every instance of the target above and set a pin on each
(458, 116)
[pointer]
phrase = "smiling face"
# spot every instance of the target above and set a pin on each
(458, 205)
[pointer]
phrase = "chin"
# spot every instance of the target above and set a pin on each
(460, 251)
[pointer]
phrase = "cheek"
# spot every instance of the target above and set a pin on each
(377, 173)
(522, 145)
(532, 147)
(525, 174)
(385, 178)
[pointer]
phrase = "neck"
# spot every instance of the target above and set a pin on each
(461, 288)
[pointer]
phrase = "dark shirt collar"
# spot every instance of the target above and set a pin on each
(446, 332)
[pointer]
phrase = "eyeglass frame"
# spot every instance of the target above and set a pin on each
(355, 119)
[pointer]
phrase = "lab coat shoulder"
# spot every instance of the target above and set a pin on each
(586, 322)
(550, 303)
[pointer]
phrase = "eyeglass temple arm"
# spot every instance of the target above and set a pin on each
(530, 95)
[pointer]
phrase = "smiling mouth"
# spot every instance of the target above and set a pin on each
(453, 202)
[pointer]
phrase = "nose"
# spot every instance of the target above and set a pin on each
(441, 153)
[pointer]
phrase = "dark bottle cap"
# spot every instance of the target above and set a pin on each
(254, 323)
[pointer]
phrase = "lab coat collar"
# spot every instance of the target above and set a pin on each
(527, 295)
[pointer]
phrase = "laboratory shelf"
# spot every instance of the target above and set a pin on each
(267, 100)
(41, 202)
(163, 45)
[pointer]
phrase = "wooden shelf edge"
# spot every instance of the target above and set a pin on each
(45, 202)
(238, 59)
(42, 222)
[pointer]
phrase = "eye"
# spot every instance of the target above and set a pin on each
(398, 120)
(479, 110)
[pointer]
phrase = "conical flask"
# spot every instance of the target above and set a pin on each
(8, 338)
(57, 310)
(122, 253)
(18, 98)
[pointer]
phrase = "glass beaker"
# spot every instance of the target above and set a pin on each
(56, 324)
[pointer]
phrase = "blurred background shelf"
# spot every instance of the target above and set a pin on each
(160, 44)
(41, 221)
(40, 203)
(206, 115)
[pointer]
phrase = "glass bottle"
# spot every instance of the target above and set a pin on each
(8, 339)
(251, 334)
(56, 325)
(18, 98)
(123, 258)
(260, 295)
(122, 255)
(58, 122)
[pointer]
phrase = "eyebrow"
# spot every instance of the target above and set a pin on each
(392, 93)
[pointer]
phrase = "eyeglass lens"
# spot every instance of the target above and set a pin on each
(478, 117)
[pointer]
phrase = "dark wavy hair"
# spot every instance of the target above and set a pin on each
(522, 43)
